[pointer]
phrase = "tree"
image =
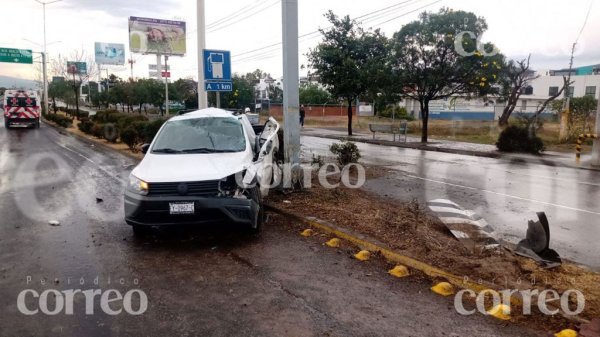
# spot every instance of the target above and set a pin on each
(344, 57)
(311, 93)
(581, 111)
(433, 58)
(73, 77)
(514, 79)
(57, 89)
(276, 94)
(188, 92)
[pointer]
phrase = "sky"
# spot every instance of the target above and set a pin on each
(250, 29)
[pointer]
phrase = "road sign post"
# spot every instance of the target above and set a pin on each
(217, 72)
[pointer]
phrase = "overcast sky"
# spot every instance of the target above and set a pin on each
(546, 28)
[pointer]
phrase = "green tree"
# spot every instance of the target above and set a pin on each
(188, 92)
(311, 93)
(275, 93)
(57, 90)
(433, 58)
(343, 59)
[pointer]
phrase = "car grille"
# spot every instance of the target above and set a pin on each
(197, 188)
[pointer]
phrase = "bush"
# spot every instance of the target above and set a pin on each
(518, 139)
(131, 137)
(151, 129)
(85, 126)
(399, 112)
(60, 120)
(346, 152)
(83, 114)
(125, 121)
(97, 130)
(111, 133)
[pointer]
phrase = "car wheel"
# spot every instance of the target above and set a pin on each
(260, 215)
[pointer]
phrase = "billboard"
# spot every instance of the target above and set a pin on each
(109, 53)
(156, 36)
(76, 68)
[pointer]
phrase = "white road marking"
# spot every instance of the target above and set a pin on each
(503, 194)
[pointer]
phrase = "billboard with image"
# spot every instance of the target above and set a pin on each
(156, 36)
(109, 53)
(76, 68)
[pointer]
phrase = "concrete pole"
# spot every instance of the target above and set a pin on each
(166, 86)
(45, 79)
(218, 99)
(201, 29)
(291, 99)
(596, 146)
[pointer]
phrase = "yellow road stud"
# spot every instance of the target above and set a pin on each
(443, 288)
(307, 232)
(334, 243)
(399, 271)
(566, 333)
(500, 311)
(363, 255)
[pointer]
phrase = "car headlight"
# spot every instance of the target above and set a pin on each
(137, 185)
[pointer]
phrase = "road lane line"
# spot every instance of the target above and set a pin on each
(93, 162)
(503, 194)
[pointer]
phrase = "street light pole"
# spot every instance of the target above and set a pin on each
(45, 55)
(291, 101)
(201, 31)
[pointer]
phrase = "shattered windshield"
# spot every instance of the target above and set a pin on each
(201, 135)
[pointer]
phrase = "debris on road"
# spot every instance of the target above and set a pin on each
(536, 244)
(99, 200)
(54, 223)
(466, 225)
(363, 255)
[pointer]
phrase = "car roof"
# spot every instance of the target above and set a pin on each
(205, 113)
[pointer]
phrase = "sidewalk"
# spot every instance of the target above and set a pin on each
(548, 158)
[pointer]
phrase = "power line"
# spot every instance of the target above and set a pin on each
(399, 16)
(234, 14)
(252, 13)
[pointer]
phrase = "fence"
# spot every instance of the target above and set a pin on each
(276, 110)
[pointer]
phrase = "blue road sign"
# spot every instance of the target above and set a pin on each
(218, 86)
(217, 65)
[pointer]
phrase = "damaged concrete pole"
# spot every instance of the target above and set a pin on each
(596, 146)
(291, 78)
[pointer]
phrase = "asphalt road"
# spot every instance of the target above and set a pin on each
(210, 281)
(507, 193)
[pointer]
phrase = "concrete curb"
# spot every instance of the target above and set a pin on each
(495, 155)
(390, 255)
(89, 141)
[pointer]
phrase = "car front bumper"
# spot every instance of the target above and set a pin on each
(155, 210)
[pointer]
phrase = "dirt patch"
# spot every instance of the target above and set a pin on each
(408, 229)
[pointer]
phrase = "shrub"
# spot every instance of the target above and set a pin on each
(83, 114)
(85, 126)
(519, 139)
(399, 112)
(97, 130)
(125, 121)
(346, 152)
(131, 137)
(151, 129)
(110, 132)
(60, 120)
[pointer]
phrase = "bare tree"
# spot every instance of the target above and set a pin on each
(516, 79)
(74, 77)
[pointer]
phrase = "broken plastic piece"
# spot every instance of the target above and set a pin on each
(536, 244)
(334, 243)
(363, 255)
(399, 271)
(500, 311)
(54, 223)
(443, 288)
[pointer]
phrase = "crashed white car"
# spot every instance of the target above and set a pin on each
(204, 166)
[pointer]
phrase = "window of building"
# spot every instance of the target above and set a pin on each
(524, 105)
(590, 91)
(571, 91)
(552, 91)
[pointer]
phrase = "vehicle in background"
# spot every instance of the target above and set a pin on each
(21, 108)
(203, 166)
(174, 107)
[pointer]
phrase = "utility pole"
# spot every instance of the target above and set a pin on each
(291, 100)
(201, 30)
(166, 86)
(596, 146)
(131, 62)
(44, 56)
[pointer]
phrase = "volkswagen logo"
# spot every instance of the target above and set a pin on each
(182, 189)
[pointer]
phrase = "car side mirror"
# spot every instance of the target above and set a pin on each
(145, 148)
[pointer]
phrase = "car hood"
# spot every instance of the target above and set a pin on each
(191, 167)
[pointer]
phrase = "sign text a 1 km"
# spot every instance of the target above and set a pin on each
(218, 86)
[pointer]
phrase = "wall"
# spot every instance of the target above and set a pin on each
(316, 110)
(541, 84)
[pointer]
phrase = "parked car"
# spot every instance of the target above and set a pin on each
(203, 166)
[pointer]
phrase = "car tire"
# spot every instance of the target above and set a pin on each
(255, 195)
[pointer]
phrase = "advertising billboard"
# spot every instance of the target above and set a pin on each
(77, 68)
(109, 53)
(156, 36)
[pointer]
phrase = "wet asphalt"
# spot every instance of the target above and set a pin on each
(506, 192)
(209, 281)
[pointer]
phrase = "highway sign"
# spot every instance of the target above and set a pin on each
(12, 55)
(77, 68)
(217, 65)
(218, 86)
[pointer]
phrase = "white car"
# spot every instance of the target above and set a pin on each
(203, 166)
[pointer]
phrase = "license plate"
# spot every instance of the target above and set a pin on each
(181, 208)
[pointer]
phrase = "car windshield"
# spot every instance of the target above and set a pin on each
(201, 135)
